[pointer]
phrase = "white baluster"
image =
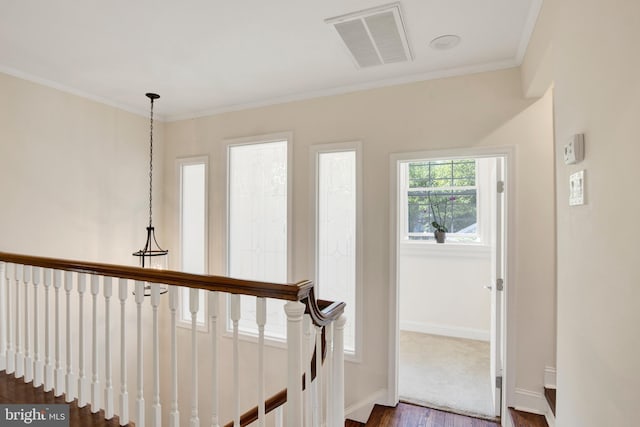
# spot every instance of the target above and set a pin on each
(279, 416)
(28, 361)
(95, 380)
(295, 311)
(38, 366)
(317, 384)
(108, 385)
(213, 316)
(82, 377)
(19, 373)
(156, 408)
(338, 371)
(68, 286)
(261, 320)
(59, 372)
(194, 300)
(11, 354)
(328, 372)
(235, 318)
(139, 292)
(124, 394)
(48, 367)
(307, 353)
(3, 318)
(174, 415)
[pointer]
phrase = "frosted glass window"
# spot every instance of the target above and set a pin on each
(193, 231)
(336, 234)
(257, 244)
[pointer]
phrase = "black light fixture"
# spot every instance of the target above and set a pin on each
(152, 255)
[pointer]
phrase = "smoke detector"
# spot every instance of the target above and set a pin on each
(374, 36)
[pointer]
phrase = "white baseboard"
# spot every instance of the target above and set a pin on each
(361, 410)
(551, 419)
(550, 377)
(530, 401)
(445, 330)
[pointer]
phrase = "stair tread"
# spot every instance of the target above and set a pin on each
(550, 394)
(15, 390)
(526, 419)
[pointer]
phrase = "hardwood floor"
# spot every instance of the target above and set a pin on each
(525, 419)
(550, 395)
(406, 415)
(14, 390)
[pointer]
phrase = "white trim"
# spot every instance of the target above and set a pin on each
(527, 30)
(447, 250)
(180, 162)
(550, 418)
(550, 377)
(314, 150)
(529, 401)
(360, 411)
(510, 254)
(445, 330)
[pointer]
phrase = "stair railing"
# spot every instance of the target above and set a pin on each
(33, 352)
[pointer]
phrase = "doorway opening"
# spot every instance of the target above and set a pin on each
(449, 299)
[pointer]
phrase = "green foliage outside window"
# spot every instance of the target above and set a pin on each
(446, 185)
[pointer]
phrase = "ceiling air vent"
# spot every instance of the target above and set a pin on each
(374, 36)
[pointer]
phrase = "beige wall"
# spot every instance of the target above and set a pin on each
(596, 92)
(479, 110)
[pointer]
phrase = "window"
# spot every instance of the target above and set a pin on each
(193, 230)
(441, 191)
(337, 230)
(258, 225)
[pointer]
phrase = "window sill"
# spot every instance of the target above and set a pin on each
(447, 249)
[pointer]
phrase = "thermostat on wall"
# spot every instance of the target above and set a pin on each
(574, 150)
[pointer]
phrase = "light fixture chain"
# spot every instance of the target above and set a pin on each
(151, 166)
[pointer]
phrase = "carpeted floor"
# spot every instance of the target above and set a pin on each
(445, 373)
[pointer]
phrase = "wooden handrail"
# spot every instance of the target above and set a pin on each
(291, 292)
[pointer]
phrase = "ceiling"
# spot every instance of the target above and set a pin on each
(207, 56)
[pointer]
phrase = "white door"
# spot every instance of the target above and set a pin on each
(496, 287)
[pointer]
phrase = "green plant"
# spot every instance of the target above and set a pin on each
(439, 213)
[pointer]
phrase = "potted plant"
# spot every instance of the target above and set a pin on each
(439, 215)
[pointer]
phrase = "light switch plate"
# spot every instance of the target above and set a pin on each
(576, 189)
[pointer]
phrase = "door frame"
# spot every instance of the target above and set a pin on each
(508, 153)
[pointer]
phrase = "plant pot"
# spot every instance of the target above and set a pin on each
(440, 236)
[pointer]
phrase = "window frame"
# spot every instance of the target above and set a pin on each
(252, 335)
(183, 292)
(315, 151)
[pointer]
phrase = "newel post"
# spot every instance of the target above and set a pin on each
(338, 371)
(295, 311)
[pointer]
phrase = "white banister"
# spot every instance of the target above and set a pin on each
(328, 374)
(317, 384)
(295, 311)
(156, 408)
(95, 378)
(19, 372)
(213, 316)
(28, 361)
(124, 394)
(307, 353)
(261, 320)
(279, 417)
(59, 372)
(48, 367)
(3, 318)
(139, 292)
(68, 286)
(108, 385)
(174, 414)
(338, 370)
(82, 378)
(37, 359)
(194, 299)
(235, 319)
(11, 354)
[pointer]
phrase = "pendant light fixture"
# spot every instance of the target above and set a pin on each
(152, 255)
